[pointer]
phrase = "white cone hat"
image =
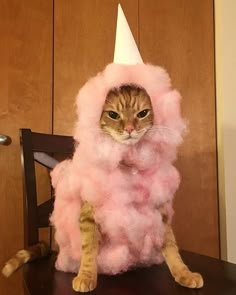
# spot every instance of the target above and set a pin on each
(126, 50)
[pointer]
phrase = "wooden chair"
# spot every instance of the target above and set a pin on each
(37, 147)
(40, 277)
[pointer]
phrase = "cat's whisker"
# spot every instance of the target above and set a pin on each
(161, 129)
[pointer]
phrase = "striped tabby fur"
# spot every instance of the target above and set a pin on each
(23, 256)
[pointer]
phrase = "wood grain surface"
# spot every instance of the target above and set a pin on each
(219, 278)
(25, 95)
(84, 45)
(179, 35)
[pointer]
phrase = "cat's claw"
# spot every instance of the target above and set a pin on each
(190, 279)
(83, 283)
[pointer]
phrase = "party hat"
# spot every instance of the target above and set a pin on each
(126, 50)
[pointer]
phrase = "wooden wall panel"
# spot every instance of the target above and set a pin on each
(179, 35)
(25, 96)
(84, 45)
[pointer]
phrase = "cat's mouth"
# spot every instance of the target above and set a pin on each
(128, 138)
(134, 137)
(131, 138)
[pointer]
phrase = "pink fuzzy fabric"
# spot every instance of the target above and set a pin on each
(126, 200)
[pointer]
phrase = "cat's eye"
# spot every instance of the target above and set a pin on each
(113, 115)
(143, 114)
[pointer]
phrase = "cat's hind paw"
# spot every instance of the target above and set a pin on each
(190, 279)
(84, 283)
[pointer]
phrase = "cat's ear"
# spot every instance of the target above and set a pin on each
(126, 50)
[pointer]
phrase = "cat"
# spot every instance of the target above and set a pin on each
(127, 115)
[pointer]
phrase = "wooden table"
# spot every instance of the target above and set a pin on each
(40, 277)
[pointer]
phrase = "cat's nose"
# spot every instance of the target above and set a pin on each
(129, 128)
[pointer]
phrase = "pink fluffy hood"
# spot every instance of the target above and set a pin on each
(126, 200)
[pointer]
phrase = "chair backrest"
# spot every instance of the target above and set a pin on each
(38, 147)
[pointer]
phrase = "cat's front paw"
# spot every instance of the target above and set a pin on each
(84, 283)
(189, 279)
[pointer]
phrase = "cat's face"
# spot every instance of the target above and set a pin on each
(127, 114)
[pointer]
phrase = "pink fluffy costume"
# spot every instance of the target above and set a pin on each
(126, 199)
